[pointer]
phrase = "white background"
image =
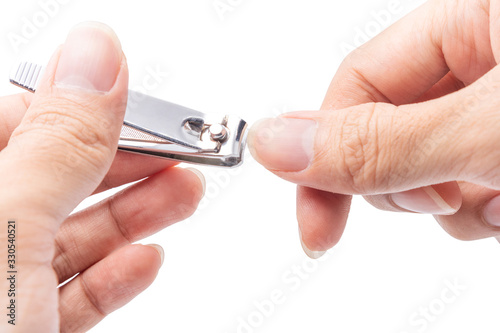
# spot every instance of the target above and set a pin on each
(261, 58)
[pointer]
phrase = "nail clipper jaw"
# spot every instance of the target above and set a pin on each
(227, 152)
(182, 134)
(160, 128)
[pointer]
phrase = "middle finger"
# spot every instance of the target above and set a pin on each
(134, 213)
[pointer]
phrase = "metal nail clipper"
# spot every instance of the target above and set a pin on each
(160, 128)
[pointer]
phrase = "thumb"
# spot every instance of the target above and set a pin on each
(380, 148)
(67, 140)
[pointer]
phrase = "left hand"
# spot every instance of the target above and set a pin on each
(58, 147)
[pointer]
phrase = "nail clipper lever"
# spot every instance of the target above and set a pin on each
(160, 128)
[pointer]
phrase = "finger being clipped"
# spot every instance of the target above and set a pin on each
(107, 286)
(379, 148)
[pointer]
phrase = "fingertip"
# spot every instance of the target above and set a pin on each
(310, 253)
(254, 139)
(100, 26)
(283, 144)
(160, 251)
(91, 59)
(201, 178)
(322, 217)
(185, 189)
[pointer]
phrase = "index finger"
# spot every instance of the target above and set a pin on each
(12, 110)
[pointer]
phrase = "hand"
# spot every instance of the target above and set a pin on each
(410, 121)
(58, 147)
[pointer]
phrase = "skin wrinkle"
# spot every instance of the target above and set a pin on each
(104, 185)
(120, 230)
(108, 285)
(90, 296)
(108, 207)
(435, 33)
(75, 124)
(116, 220)
(381, 163)
(487, 149)
(91, 156)
(410, 137)
(466, 40)
(372, 91)
(443, 47)
(435, 39)
(354, 147)
(91, 145)
(61, 270)
(369, 139)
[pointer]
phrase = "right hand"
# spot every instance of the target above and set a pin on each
(411, 121)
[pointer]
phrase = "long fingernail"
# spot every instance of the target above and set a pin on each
(424, 200)
(310, 253)
(284, 144)
(491, 212)
(160, 251)
(200, 176)
(90, 59)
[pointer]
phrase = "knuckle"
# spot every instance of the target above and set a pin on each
(68, 125)
(363, 156)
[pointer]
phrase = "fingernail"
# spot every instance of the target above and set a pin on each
(310, 253)
(200, 176)
(424, 200)
(160, 251)
(491, 212)
(284, 144)
(90, 59)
